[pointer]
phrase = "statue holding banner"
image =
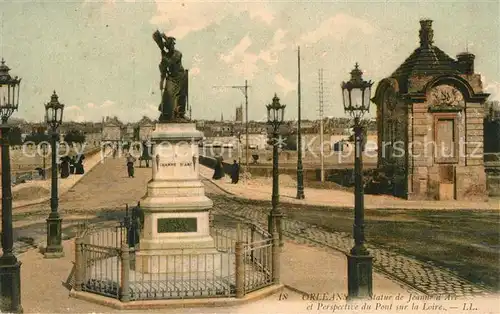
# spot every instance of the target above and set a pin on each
(173, 80)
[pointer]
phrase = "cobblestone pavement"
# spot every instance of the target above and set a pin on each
(424, 277)
(103, 193)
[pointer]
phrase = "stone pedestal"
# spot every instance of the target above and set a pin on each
(176, 210)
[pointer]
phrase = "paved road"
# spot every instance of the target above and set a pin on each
(101, 196)
(97, 197)
(107, 186)
(418, 275)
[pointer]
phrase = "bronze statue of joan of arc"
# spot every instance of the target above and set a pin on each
(173, 80)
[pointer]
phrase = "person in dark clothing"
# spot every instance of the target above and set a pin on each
(235, 174)
(130, 165)
(219, 169)
(72, 163)
(79, 164)
(65, 167)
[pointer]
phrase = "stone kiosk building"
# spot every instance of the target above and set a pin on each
(430, 125)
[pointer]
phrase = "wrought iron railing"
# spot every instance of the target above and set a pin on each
(182, 275)
(244, 259)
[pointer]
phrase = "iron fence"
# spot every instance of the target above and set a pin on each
(244, 259)
(257, 257)
(182, 275)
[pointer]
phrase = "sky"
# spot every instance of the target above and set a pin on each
(100, 58)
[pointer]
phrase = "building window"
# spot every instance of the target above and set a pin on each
(445, 138)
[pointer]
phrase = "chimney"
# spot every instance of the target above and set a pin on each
(426, 34)
(465, 62)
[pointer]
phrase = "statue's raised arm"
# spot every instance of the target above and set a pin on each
(158, 38)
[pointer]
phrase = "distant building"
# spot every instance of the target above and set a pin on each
(111, 129)
(144, 129)
(239, 114)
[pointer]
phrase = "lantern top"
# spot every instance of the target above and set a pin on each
(356, 73)
(53, 111)
(356, 93)
(5, 77)
(275, 111)
(356, 80)
(54, 102)
(275, 105)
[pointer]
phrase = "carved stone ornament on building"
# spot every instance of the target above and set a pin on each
(446, 97)
(390, 98)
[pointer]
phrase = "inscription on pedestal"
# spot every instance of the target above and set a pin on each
(167, 225)
(173, 164)
(168, 164)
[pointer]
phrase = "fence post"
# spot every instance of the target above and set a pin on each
(125, 271)
(79, 264)
(280, 227)
(276, 258)
(240, 269)
(252, 240)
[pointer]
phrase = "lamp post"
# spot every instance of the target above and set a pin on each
(356, 96)
(275, 117)
(300, 168)
(10, 267)
(44, 157)
(53, 118)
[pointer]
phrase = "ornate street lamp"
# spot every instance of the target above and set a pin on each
(356, 95)
(275, 117)
(53, 118)
(300, 167)
(10, 267)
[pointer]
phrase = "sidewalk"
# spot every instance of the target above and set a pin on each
(261, 188)
(64, 184)
(303, 268)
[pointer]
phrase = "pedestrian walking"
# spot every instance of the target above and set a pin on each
(79, 169)
(219, 168)
(65, 171)
(235, 173)
(130, 165)
(72, 163)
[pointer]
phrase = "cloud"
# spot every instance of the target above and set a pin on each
(194, 71)
(337, 26)
(90, 112)
(79, 118)
(492, 88)
(242, 62)
(72, 108)
(238, 50)
(107, 103)
(277, 45)
(286, 85)
(182, 18)
(149, 110)
(245, 63)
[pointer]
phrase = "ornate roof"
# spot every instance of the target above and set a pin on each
(427, 59)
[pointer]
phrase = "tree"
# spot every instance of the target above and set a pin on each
(74, 136)
(15, 137)
(492, 109)
(37, 137)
